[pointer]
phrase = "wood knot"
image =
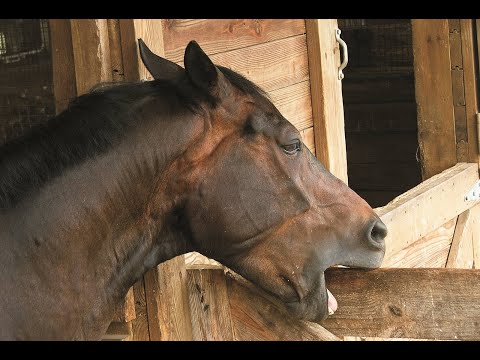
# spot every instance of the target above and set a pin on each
(395, 310)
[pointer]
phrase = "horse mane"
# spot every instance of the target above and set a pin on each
(90, 126)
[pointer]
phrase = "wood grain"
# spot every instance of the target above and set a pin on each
(140, 330)
(308, 138)
(433, 93)
(64, 82)
(406, 303)
(326, 90)
(221, 35)
(475, 213)
(461, 251)
(91, 53)
(195, 259)
(424, 208)
(115, 45)
(430, 251)
(209, 305)
(257, 316)
(295, 104)
(126, 311)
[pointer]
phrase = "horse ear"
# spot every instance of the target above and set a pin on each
(200, 69)
(159, 67)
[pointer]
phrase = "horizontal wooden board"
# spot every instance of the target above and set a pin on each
(295, 104)
(431, 251)
(379, 90)
(386, 148)
(406, 303)
(220, 35)
(427, 206)
(401, 177)
(396, 116)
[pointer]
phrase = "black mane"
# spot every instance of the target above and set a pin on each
(92, 124)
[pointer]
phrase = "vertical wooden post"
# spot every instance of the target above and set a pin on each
(166, 286)
(327, 99)
(64, 83)
(433, 93)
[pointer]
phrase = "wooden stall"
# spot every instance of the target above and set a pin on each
(296, 61)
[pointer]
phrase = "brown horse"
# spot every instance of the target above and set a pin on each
(132, 175)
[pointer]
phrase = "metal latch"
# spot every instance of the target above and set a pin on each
(344, 48)
(474, 193)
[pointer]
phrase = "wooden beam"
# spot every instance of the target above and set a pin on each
(209, 304)
(91, 53)
(461, 251)
(64, 83)
(166, 290)
(258, 316)
(433, 93)
(126, 311)
(406, 303)
(115, 46)
(140, 323)
(427, 206)
(475, 213)
(326, 90)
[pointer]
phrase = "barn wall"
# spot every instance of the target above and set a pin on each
(270, 52)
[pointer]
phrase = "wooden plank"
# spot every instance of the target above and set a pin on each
(115, 45)
(271, 65)
(326, 90)
(456, 62)
(150, 30)
(475, 213)
(64, 83)
(119, 331)
(428, 206)
(433, 93)
(140, 323)
(470, 62)
(308, 138)
(91, 53)
(126, 310)
(168, 307)
(406, 303)
(461, 251)
(220, 35)
(258, 316)
(295, 104)
(430, 251)
(195, 259)
(209, 305)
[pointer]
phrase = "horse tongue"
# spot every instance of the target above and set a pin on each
(332, 303)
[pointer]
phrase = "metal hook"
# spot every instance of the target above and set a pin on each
(343, 46)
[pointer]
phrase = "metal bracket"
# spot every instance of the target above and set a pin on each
(343, 46)
(474, 193)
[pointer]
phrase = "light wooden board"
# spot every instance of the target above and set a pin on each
(433, 93)
(428, 206)
(115, 46)
(406, 303)
(430, 251)
(308, 138)
(220, 35)
(140, 323)
(327, 101)
(126, 311)
(91, 53)
(257, 316)
(295, 104)
(461, 251)
(475, 213)
(64, 83)
(195, 259)
(209, 305)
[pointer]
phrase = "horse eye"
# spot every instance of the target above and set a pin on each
(292, 148)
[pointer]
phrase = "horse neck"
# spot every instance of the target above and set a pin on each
(93, 224)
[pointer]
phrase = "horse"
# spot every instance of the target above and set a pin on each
(134, 174)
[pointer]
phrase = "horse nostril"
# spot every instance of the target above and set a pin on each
(377, 232)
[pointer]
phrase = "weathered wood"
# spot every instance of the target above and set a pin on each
(91, 53)
(197, 260)
(220, 35)
(150, 30)
(326, 90)
(167, 299)
(115, 45)
(126, 310)
(433, 93)
(64, 83)
(428, 206)
(120, 331)
(308, 138)
(295, 104)
(431, 251)
(470, 62)
(209, 305)
(475, 213)
(461, 251)
(140, 323)
(258, 316)
(406, 303)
